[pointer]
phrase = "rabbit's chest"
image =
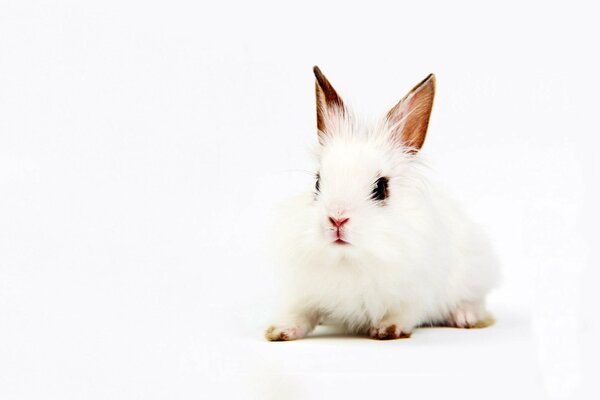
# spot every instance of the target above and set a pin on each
(356, 298)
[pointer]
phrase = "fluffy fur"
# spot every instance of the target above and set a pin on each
(412, 259)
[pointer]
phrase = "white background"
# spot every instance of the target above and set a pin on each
(143, 145)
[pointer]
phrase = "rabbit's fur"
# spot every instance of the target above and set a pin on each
(406, 256)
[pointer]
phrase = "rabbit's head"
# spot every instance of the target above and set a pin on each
(366, 176)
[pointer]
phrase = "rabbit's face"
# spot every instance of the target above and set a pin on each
(351, 191)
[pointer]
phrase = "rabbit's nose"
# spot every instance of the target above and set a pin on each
(338, 222)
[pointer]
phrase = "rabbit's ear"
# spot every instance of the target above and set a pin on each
(408, 120)
(329, 103)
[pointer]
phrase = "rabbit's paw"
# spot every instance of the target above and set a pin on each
(388, 331)
(277, 333)
(469, 315)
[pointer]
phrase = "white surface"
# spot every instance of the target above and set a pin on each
(143, 145)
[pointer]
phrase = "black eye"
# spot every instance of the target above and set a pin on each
(380, 191)
(317, 187)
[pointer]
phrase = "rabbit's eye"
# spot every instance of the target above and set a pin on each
(380, 191)
(317, 186)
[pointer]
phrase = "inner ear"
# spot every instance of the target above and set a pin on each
(408, 120)
(329, 103)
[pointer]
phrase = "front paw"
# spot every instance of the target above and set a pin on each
(388, 332)
(277, 333)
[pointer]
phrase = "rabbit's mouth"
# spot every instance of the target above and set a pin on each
(337, 230)
(340, 241)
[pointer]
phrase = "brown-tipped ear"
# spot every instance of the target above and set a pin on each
(410, 117)
(328, 101)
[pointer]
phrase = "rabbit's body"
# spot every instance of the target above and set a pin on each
(376, 247)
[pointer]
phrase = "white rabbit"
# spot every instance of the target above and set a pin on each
(374, 247)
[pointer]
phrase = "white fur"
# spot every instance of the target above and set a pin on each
(414, 260)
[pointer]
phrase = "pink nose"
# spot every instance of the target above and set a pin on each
(338, 222)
